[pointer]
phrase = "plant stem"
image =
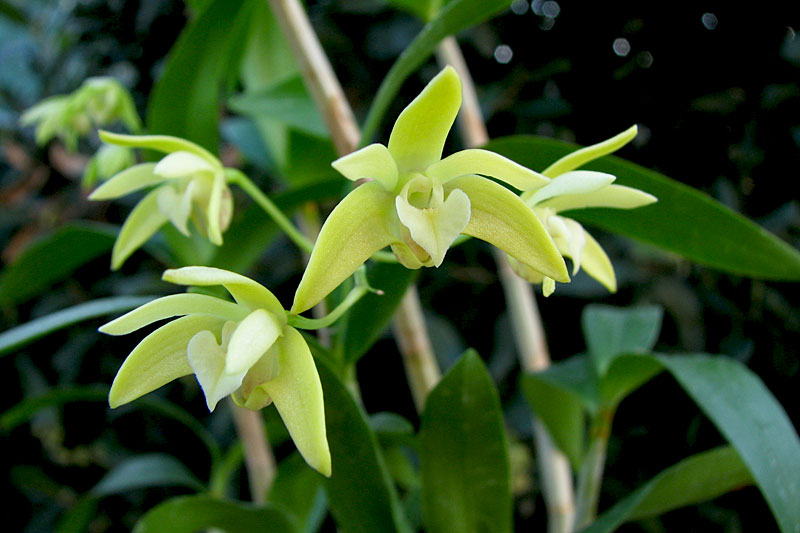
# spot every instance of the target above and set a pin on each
(591, 475)
(355, 294)
(409, 326)
(257, 452)
(526, 322)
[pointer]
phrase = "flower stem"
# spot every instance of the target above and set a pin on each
(591, 475)
(409, 326)
(526, 322)
(356, 293)
(257, 452)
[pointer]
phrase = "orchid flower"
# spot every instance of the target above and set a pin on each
(418, 203)
(97, 102)
(579, 189)
(244, 349)
(191, 184)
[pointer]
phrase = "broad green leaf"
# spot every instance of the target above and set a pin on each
(466, 483)
(185, 100)
(754, 423)
(188, 514)
(358, 467)
(299, 490)
(625, 374)
(559, 397)
(78, 518)
(612, 331)
(15, 338)
(368, 319)
(684, 221)
(454, 17)
(53, 258)
(143, 471)
(696, 479)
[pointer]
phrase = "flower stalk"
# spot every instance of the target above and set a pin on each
(258, 457)
(591, 475)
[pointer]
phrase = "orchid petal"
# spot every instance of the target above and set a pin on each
(297, 394)
(373, 162)
(434, 229)
(176, 207)
(159, 358)
(577, 241)
(171, 306)
(213, 219)
(576, 182)
(252, 395)
(500, 218)
(580, 157)
(252, 338)
(476, 161)
(162, 143)
(357, 228)
(182, 163)
(418, 135)
(613, 196)
(129, 180)
(596, 263)
(207, 359)
(141, 224)
(244, 290)
(548, 286)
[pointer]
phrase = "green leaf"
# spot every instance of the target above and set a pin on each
(612, 331)
(15, 338)
(454, 17)
(185, 100)
(755, 424)
(188, 514)
(367, 319)
(626, 374)
(696, 479)
(53, 258)
(424, 9)
(358, 467)
(299, 490)
(78, 518)
(143, 471)
(559, 397)
(466, 483)
(684, 221)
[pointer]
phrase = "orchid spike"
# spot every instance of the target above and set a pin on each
(418, 203)
(578, 189)
(190, 183)
(244, 349)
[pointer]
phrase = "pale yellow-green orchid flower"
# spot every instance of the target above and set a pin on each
(418, 203)
(578, 189)
(191, 184)
(243, 349)
(97, 102)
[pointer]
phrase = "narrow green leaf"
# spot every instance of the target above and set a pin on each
(185, 100)
(424, 9)
(755, 424)
(454, 17)
(143, 471)
(53, 258)
(358, 467)
(367, 320)
(15, 338)
(612, 331)
(696, 479)
(466, 482)
(299, 490)
(684, 221)
(188, 514)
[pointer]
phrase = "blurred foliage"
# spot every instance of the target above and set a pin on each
(716, 100)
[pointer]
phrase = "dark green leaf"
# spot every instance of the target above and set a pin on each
(612, 331)
(424, 9)
(358, 467)
(454, 17)
(755, 424)
(185, 100)
(392, 428)
(626, 374)
(299, 490)
(11, 12)
(53, 258)
(15, 338)
(143, 471)
(466, 483)
(79, 517)
(684, 221)
(188, 514)
(696, 479)
(367, 320)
